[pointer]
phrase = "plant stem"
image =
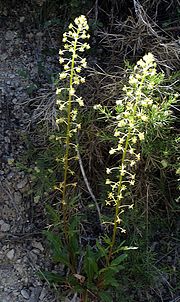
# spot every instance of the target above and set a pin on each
(66, 156)
(119, 200)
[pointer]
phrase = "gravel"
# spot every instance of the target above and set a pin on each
(22, 252)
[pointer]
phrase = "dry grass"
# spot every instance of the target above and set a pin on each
(137, 35)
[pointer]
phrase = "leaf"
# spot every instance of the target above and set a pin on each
(54, 216)
(51, 277)
(110, 279)
(90, 264)
(105, 297)
(118, 260)
(102, 251)
(58, 250)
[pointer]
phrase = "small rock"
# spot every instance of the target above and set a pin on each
(35, 294)
(5, 227)
(38, 245)
(17, 197)
(25, 294)
(33, 257)
(12, 76)
(10, 175)
(43, 294)
(10, 35)
(7, 139)
(35, 251)
(3, 56)
(14, 101)
(21, 19)
(10, 254)
(22, 183)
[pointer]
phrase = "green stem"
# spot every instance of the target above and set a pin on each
(118, 203)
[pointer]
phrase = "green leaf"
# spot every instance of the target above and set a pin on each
(102, 250)
(54, 216)
(110, 278)
(58, 250)
(51, 277)
(118, 260)
(90, 264)
(105, 297)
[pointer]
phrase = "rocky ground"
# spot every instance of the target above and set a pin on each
(21, 248)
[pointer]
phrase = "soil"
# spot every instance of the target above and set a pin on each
(22, 253)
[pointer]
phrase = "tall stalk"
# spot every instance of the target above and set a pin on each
(66, 156)
(130, 123)
(71, 78)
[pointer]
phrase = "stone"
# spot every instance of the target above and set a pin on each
(25, 294)
(37, 245)
(5, 227)
(10, 35)
(17, 197)
(10, 254)
(43, 294)
(22, 183)
(35, 294)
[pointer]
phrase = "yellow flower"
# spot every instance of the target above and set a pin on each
(61, 60)
(108, 171)
(61, 52)
(144, 118)
(71, 91)
(80, 102)
(141, 136)
(63, 75)
(132, 163)
(78, 69)
(112, 151)
(82, 80)
(108, 182)
(138, 156)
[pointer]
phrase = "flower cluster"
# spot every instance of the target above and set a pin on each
(73, 63)
(74, 44)
(132, 116)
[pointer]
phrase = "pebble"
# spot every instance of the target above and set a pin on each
(25, 294)
(10, 254)
(43, 294)
(35, 294)
(5, 227)
(37, 245)
(22, 183)
(10, 35)
(17, 197)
